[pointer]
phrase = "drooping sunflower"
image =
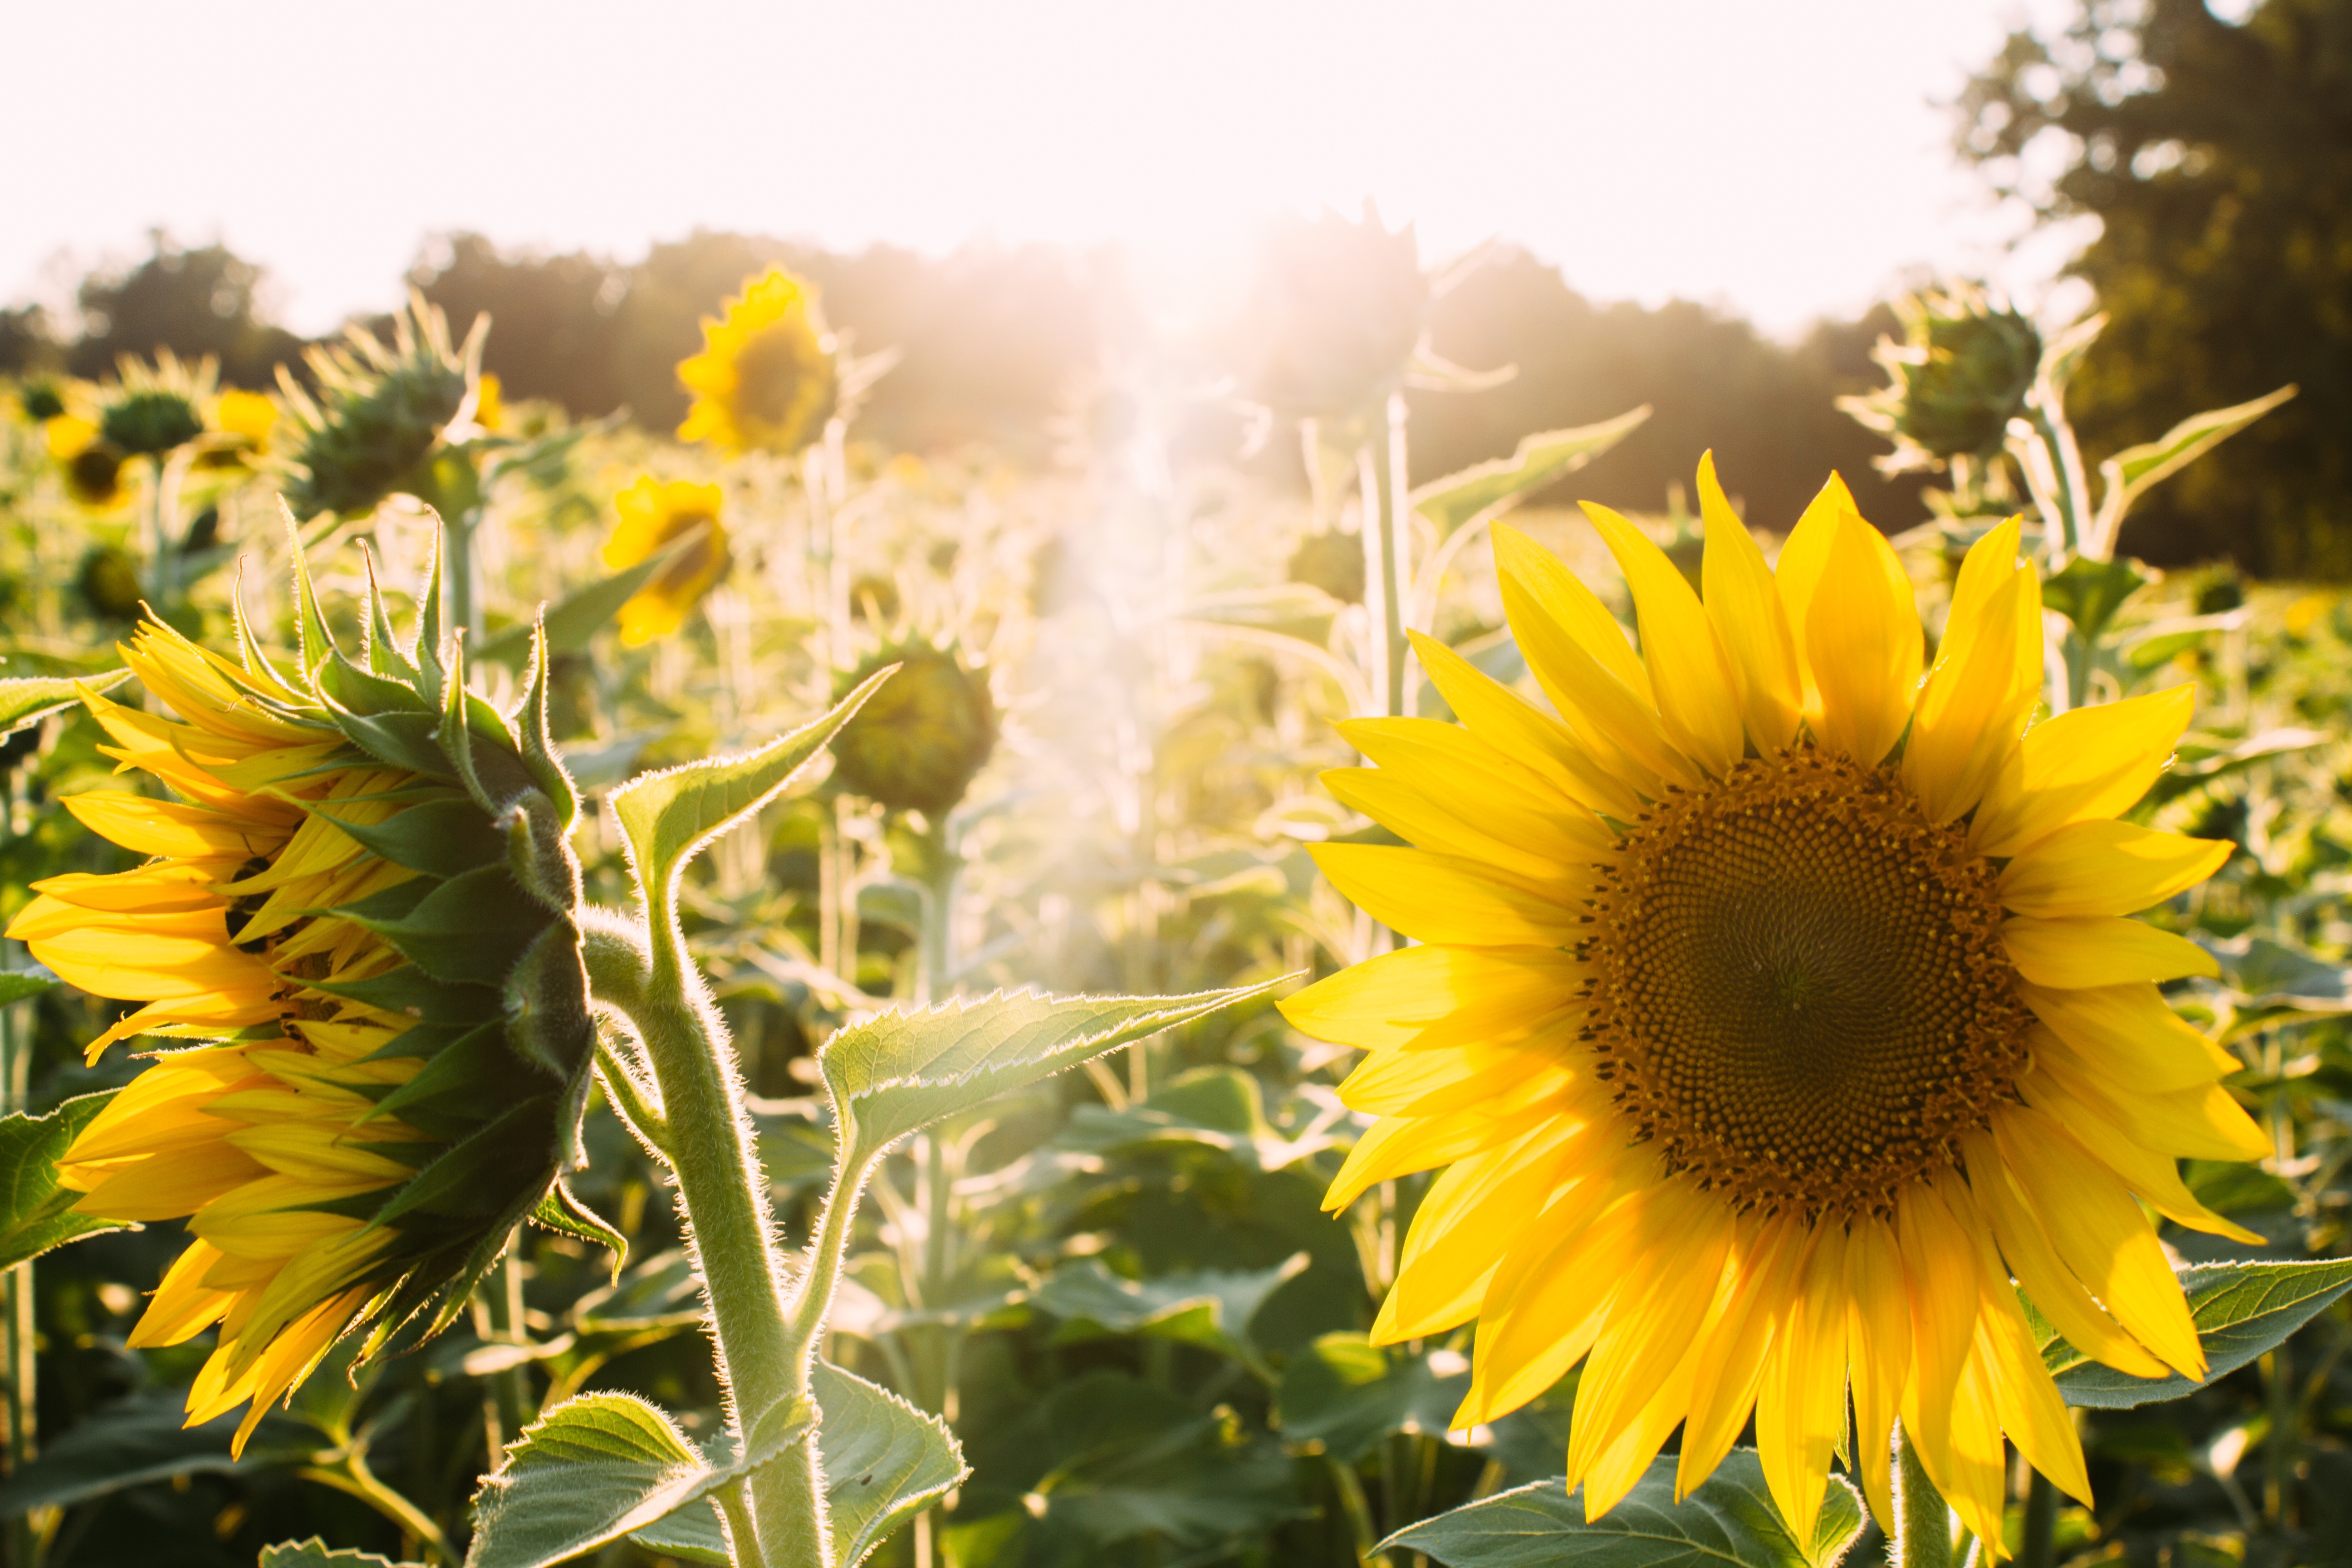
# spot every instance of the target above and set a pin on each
(359, 903)
(1775, 1006)
(920, 740)
(654, 512)
(765, 379)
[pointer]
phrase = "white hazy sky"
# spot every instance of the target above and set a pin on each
(1787, 158)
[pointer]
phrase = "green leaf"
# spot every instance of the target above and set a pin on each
(591, 1470)
(36, 1213)
(1220, 1108)
(2132, 472)
(884, 1461)
(1491, 487)
(1210, 1309)
(1729, 1518)
(315, 1553)
(2089, 593)
(669, 817)
(27, 700)
(900, 1071)
(142, 1439)
(579, 616)
(2271, 973)
(2241, 1310)
(1346, 1393)
(15, 984)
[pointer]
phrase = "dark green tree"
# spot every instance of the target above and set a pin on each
(2217, 157)
(552, 317)
(194, 302)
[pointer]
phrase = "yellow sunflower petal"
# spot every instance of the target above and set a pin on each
(1662, 1303)
(1445, 899)
(1968, 717)
(2121, 1139)
(1804, 556)
(2086, 764)
(1878, 1356)
(1512, 724)
(1863, 644)
(1389, 1000)
(2100, 950)
(1728, 1351)
(2107, 867)
(1800, 1408)
(1698, 699)
(2126, 1035)
(2100, 1234)
(1745, 608)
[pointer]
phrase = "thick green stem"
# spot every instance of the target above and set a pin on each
(164, 577)
(461, 575)
(1923, 1521)
(763, 1361)
(2040, 1547)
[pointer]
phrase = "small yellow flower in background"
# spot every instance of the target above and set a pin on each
(654, 512)
(69, 435)
(1774, 1005)
(248, 414)
(765, 378)
(489, 406)
(394, 1048)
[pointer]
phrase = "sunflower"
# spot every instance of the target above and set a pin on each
(654, 512)
(248, 417)
(157, 408)
(920, 740)
(393, 1023)
(1774, 1007)
(765, 378)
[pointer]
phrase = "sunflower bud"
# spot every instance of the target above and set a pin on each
(362, 902)
(157, 407)
(378, 411)
(1337, 315)
(654, 513)
(921, 739)
(109, 581)
(94, 474)
(1960, 375)
(42, 401)
(766, 378)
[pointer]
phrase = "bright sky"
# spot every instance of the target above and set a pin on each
(1785, 159)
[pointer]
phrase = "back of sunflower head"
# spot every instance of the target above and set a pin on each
(364, 904)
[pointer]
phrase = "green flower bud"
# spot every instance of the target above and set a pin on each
(377, 414)
(921, 739)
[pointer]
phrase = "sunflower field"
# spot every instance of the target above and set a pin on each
(574, 993)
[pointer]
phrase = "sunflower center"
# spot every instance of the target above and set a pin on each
(772, 374)
(1800, 993)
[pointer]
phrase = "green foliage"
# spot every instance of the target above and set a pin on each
(315, 1553)
(2219, 177)
(2242, 1310)
(902, 1071)
(36, 1213)
(1728, 1519)
(27, 700)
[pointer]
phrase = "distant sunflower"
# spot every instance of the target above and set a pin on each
(654, 512)
(765, 379)
(397, 1024)
(1775, 1007)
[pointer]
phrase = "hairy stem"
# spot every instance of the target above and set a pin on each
(1923, 1521)
(761, 1362)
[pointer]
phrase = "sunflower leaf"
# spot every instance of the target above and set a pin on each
(1483, 488)
(144, 1438)
(2242, 1310)
(17, 984)
(1728, 1519)
(594, 1468)
(28, 699)
(670, 816)
(1347, 1394)
(315, 1553)
(36, 1213)
(883, 1460)
(901, 1071)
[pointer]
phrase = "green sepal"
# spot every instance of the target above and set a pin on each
(385, 656)
(421, 1040)
(393, 903)
(453, 1187)
(547, 1018)
(445, 838)
(492, 773)
(333, 678)
(469, 929)
(476, 1068)
(537, 856)
(255, 659)
(539, 753)
(562, 1212)
(409, 990)
(431, 650)
(408, 741)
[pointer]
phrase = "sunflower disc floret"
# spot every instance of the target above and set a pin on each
(359, 903)
(1775, 1018)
